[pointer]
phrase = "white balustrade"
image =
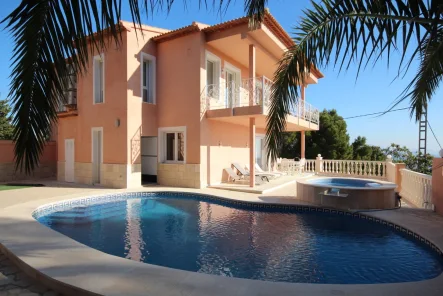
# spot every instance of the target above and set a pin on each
(259, 90)
(416, 188)
(309, 166)
(353, 168)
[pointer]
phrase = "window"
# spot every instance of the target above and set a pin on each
(148, 78)
(173, 145)
(99, 79)
(210, 67)
(213, 74)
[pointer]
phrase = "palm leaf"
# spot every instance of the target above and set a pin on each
(343, 32)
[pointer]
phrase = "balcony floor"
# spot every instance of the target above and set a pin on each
(241, 115)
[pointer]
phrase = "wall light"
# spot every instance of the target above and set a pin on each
(117, 122)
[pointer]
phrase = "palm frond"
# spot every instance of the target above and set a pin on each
(343, 32)
(429, 74)
(48, 34)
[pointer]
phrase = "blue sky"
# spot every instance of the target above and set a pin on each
(374, 91)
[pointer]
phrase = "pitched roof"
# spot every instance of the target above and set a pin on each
(269, 21)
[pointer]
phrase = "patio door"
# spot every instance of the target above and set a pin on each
(97, 154)
(230, 88)
(260, 152)
(69, 160)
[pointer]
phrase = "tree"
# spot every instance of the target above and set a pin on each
(363, 151)
(331, 140)
(6, 128)
(415, 162)
(377, 153)
(360, 150)
(46, 33)
(341, 32)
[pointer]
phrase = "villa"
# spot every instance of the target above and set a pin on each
(176, 107)
(187, 109)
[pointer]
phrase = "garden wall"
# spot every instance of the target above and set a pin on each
(46, 168)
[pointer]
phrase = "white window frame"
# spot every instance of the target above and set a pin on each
(162, 144)
(209, 56)
(96, 58)
(147, 57)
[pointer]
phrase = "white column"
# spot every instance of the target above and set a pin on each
(251, 74)
(319, 164)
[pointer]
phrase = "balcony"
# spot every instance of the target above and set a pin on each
(69, 107)
(236, 103)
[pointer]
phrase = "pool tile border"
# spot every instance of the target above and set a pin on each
(107, 198)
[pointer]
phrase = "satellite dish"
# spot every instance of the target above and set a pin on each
(441, 153)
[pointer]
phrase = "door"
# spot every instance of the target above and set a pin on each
(69, 160)
(149, 159)
(230, 88)
(97, 154)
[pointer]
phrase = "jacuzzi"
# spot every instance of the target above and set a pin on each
(347, 193)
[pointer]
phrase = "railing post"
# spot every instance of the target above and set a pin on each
(318, 164)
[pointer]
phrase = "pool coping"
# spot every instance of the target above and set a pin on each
(386, 185)
(42, 253)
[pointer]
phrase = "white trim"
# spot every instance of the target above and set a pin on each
(237, 73)
(232, 68)
(209, 56)
(143, 57)
(102, 58)
(101, 154)
(73, 160)
(161, 152)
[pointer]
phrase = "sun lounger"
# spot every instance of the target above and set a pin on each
(234, 177)
(245, 173)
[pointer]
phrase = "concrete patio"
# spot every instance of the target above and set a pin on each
(37, 248)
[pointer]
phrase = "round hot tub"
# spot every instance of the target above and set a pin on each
(347, 193)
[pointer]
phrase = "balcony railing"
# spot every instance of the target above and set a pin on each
(251, 92)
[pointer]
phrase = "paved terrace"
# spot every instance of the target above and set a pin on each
(67, 261)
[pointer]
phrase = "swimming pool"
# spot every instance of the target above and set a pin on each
(345, 182)
(193, 233)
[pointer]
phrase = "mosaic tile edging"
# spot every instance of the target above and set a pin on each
(100, 199)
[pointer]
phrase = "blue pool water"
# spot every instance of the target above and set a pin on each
(190, 233)
(343, 182)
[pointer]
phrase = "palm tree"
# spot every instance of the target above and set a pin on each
(46, 32)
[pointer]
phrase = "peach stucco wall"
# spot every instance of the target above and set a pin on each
(46, 167)
(100, 115)
(178, 88)
(142, 117)
(437, 185)
(7, 152)
(221, 145)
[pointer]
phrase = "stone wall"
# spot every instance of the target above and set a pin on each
(43, 171)
(179, 175)
(112, 175)
(46, 168)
